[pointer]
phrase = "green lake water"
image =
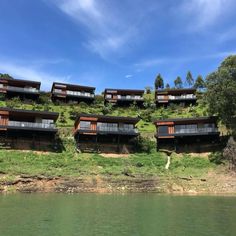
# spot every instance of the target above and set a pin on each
(116, 215)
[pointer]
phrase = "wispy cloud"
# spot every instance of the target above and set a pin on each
(128, 76)
(110, 26)
(204, 13)
(153, 62)
(30, 72)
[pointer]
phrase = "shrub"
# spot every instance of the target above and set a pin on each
(145, 145)
(14, 102)
(99, 99)
(83, 105)
(216, 157)
(107, 109)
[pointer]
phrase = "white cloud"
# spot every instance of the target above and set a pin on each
(128, 76)
(111, 26)
(151, 62)
(29, 72)
(204, 13)
(146, 63)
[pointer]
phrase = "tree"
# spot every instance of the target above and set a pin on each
(167, 86)
(221, 93)
(199, 83)
(148, 89)
(178, 82)
(230, 153)
(189, 79)
(5, 76)
(159, 83)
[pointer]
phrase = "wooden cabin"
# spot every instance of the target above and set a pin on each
(71, 93)
(175, 96)
(106, 134)
(123, 96)
(187, 134)
(26, 129)
(24, 89)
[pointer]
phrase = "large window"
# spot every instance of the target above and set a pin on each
(85, 125)
(107, 126)
(191, 128)
(163, 130)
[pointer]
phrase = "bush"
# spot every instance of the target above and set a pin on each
(14, 102)
(99, 99)
(44, 98)
(145, 145)
(83, 105)
(107, 109)
(216, 157)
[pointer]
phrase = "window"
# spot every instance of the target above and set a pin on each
(108, 96)
(128, 126)
(162, 130)
(85, 124)
(107, 126)
(47, 121)
(191, 128)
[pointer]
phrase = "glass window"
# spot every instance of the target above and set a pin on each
(163, 130)
(47, 121)
(85, 124)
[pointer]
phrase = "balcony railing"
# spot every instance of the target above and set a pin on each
(130, 98)
(182, 97)
(112, 130)
(18, 89)
(196, 131)
(74, 93)
(31, 125)
(79, 94)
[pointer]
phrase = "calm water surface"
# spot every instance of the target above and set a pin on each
(116, 215)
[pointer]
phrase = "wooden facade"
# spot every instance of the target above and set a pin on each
(24, 89)
(187, 134)
(175, 96)
(123, 96)
(25, 129)
(72, 93)
(107, 134)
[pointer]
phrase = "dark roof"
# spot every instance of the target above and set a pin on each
(53, 115)
(75, 86)
(205, 118)
(21, 80)
(109, 118)
(125, 90)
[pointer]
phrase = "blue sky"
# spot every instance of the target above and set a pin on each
(112, 43)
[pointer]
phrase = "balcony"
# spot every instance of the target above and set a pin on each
(111, 130)
(126, 98)
(117, 130)
(79, 94)
(22, 90)
(181, 97)
(196, 131)
(74, 93)
(31, 125)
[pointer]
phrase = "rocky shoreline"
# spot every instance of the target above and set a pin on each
(224, 184)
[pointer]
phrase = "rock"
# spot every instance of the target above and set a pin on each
(177, 188)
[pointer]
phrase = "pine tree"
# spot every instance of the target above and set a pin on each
(178, 82)
(167, 86)
(199, 83)
(189, 79)
(159, 83)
